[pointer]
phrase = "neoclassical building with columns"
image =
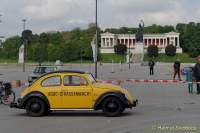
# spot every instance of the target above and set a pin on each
(109, 40)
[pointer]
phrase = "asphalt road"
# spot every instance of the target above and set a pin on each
(159, 105)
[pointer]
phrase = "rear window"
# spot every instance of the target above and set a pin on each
(74, 81)
(52, 81)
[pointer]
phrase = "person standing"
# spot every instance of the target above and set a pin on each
(151, 67)
(177, 69)
(197, 74)
(189, 79)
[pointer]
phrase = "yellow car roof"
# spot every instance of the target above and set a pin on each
(66, 71)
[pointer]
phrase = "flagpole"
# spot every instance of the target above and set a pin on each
(96, 42)
(24, 43)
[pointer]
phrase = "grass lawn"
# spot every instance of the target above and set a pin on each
(9, 61)
(79, 61)
(107, 58)
(185, 58)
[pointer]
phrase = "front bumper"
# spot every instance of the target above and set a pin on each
(17, 104)
(135, 103)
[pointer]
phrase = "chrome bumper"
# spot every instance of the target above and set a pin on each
(17, 104)
(135, 102)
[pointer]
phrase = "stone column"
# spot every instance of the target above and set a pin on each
(156, 41)
(175, 41)
(102, 43)
(112, 42)
(151, 41)
(109, 42)
(178, 42)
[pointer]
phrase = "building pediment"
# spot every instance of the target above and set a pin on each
(107, 33)
(172, 33)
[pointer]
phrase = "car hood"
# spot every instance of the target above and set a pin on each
(107, 86)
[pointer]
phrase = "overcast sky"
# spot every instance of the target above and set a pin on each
(51, 15)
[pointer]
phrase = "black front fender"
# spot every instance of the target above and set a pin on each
(119, 95)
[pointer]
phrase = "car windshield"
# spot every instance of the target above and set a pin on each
(37, 70)
(42, 70)
(91, 78)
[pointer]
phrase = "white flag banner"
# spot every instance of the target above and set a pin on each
(21, 54)
(94, 52)
(94, 48)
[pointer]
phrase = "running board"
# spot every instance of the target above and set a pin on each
(72, 109)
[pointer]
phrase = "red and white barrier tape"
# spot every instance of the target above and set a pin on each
(146, 81)
(24, 83)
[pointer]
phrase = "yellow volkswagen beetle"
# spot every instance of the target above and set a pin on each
(73, 90)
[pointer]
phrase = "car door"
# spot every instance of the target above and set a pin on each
(77, 93)
(51, 87)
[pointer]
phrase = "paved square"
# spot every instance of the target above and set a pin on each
(159, 105)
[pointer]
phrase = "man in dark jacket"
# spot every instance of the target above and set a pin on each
(197, 74)
(177, 69)
(151, 67)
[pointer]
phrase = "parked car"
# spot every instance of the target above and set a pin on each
(73, 90)
(39, 70)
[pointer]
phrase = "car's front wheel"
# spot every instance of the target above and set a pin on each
(112, 107)
(35, 107)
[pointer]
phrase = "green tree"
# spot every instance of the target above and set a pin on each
(11, 48)
(44, 38)
(152, 51)
(170, 50)
(54, 52)
(39, 53)
(189, 37)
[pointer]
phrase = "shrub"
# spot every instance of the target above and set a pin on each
(194, 51)
(152, 51)
(120, 49)
(170, 50)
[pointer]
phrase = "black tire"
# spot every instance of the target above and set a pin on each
(36, 107)
(112, 107)
(7, 99)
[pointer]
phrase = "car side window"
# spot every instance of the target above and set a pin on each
(52, 81)
(42, 70)
(74, 81)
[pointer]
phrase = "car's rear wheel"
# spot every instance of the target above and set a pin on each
(112, 107)
(35, 107)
